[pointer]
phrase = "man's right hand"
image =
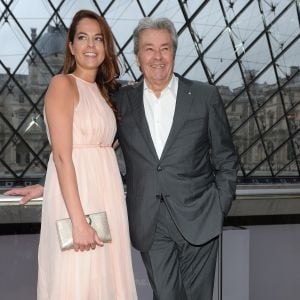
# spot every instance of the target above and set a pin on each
(28, 192)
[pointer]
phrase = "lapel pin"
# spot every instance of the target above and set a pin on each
(190, 93)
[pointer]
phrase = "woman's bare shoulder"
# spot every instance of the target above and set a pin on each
(63, 85)
(63, 80)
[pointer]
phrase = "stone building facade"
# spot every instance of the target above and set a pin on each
(21, 104)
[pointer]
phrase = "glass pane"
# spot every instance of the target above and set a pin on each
(232, 79)
(247, 139)
(222, 42)
(296, 141)
(270, 113)
(293, 119)
(36, 170)
(186, 53)
(277, 134)
(191, 6)
(233, 8)
(284, 30)
(33, 130)
(197, 73)
(262, 87)
(167, 9)
(70, 7)
(14, 48)
(220, 55)
(44, 156)
(239, 112)
(119, 17)
(253, 157)
(129, 68)
(289, 170)
(16, 155)
(272, 9)
(287, 65)
(263, 170)
(5, 133)
(256, 58)
(282, 157)
(15, 105)
(290, 93)
(32, 87)
(246, 27)
(4, 171)
(208, 24)
(149, 5)
(227, 95)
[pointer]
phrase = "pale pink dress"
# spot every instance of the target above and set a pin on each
(105, 273)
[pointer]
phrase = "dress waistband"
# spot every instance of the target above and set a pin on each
(91, 146)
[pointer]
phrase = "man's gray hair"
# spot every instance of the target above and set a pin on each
(149, 23)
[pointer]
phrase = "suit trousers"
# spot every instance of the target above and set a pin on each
(178, 270)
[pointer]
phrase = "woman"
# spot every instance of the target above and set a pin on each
(82, 174)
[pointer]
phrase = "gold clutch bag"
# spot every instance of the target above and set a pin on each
(98, 221)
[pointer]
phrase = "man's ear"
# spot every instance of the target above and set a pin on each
(137, 61)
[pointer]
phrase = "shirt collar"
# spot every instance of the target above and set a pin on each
(172, 86)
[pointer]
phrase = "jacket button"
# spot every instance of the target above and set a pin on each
(159, 168)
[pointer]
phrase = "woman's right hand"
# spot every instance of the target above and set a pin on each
(85, 237)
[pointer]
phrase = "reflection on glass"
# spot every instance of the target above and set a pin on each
(249, 49)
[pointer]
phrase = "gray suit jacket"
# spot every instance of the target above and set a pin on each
(196, 174)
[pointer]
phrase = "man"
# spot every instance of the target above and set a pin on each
(181, 167)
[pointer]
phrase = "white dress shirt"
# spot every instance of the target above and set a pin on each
(160, 112)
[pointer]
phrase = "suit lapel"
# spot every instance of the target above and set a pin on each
(183, 104)
(138, 113)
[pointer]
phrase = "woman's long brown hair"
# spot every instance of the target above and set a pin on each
(108, 71)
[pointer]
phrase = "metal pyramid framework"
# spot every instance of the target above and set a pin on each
(249, 49)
